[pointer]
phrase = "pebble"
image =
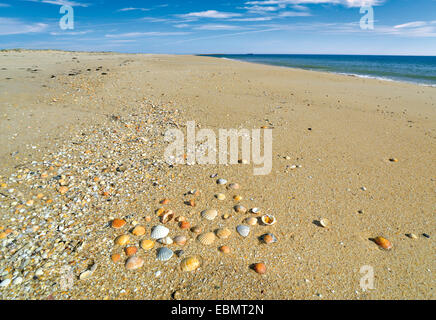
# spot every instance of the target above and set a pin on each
(220, 196)
(221, 181)
(17, 280)
(115, 257)
(118, 223)
(122, 240)
(184, 225)
(130, 251)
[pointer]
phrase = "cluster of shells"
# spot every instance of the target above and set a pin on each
(162, 233)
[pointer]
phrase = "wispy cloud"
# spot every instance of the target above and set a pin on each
(348, 3)
(210, 14)
(62, 3)
(213, 27)
(70, 33)
(132, 9)
(4, 5)
(9, 26)
(146, 34)
(411, 24)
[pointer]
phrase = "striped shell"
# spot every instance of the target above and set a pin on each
(159, 232)
(190, 264)
(164, 254)
(223, 233)
(134, 263)
(206, 238)
(268, 220)
(240, 209)
(251, 221)
(166, 240)
(209, 214)
(243, 230)
(180, 240)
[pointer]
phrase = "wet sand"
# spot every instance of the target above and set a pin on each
(94, 123)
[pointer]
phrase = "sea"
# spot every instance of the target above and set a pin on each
(414, 69)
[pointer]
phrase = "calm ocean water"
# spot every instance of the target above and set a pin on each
(417, 69)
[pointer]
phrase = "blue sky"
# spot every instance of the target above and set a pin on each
(239, 26)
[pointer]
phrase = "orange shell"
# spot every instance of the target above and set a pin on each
(118, 223)
(383, 243)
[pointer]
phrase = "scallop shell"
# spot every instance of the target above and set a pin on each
(147, 244)
(209, 214)
(268, 220)
(190, 264)
(159, 232)
(221, 181)
(164, 254)
(243, 230)
(251, 221)
(206, 238)
(254, 210)
(166, 240)
(223, 233)
(134, 263)
(180, 240)
(240, 209)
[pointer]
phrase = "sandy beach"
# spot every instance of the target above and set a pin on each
(82, 143)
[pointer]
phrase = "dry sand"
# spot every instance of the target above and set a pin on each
(102, 136)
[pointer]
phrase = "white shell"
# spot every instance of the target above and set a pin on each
(167, 240)
(251, 221)
(267, 217)
(164, 254)
(243, 230)
(209, 214)
(221, 181)
(254, 210)
(324, 222)
(240, 209)
(159, 232)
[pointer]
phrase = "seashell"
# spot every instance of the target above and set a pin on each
(118, 223)
(383, 243)
(412, 236)
(325, 223)
(237, 197)
(184, 225)
(179, 219)
(115, 257)
(122, 240)
(134, 263)
(240, 209)
(226, 216)
(196, 229)
(269, 238)
(138, 231)
(251, 221)
(209, 214)
(233, 186)
(164, 254)
(190, 203)
(224, 249)
(243, 230)
(147, 244)
(167, 216)
(254, 210)
(159, 232)
(180, 253)
(180, 240)
(206, 238)
(190, 264)
(259, 268)
(221, 181)
(393, 160)
(130, 251)
(220, 196)
(166, 241)
(268, 220)
(223, 233)
(88, 273)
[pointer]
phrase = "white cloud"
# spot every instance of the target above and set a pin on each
(4, 5)
(145, 34)
(294, 14)
(133, 9)
(411, 25)
(72, 33)
(61, 3)
(218, 27)
(348, 3)
(10, 26)
(252, 19)
(210, 14)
